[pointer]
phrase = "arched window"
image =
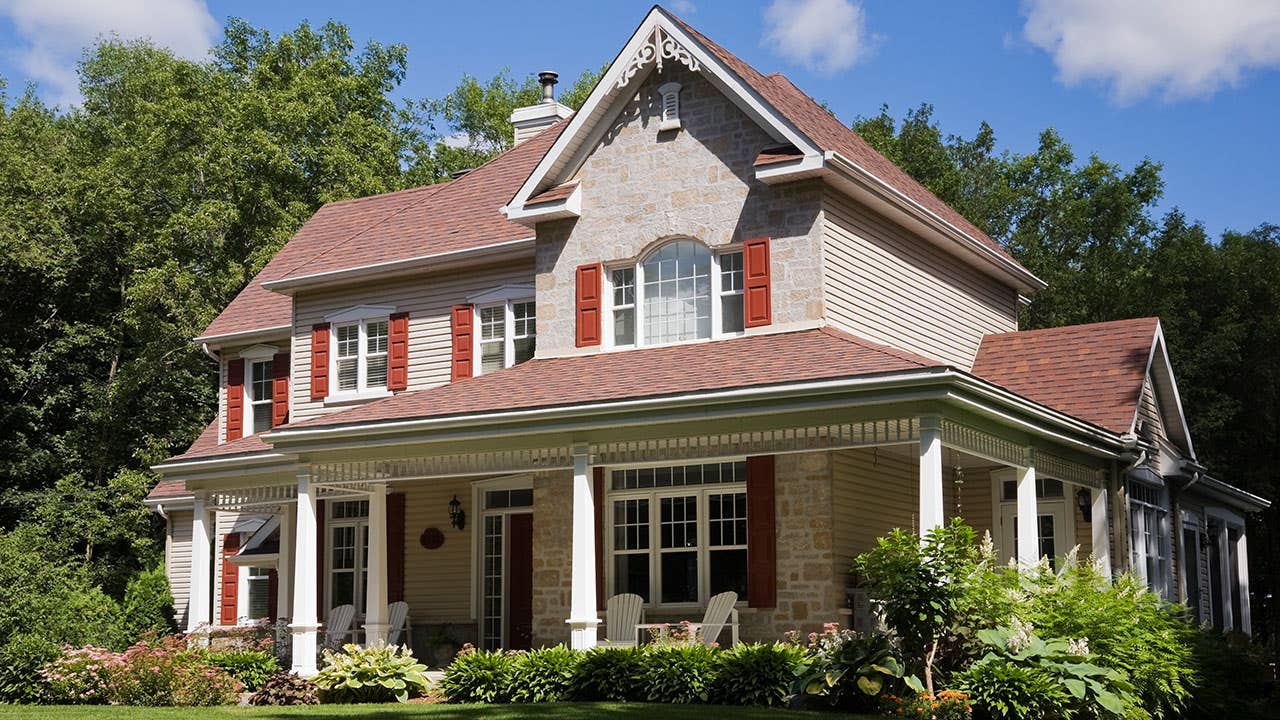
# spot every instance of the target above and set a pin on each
(679, 292)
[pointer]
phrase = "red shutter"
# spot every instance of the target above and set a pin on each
(321, 565)
(597, 493)
(230, 595)
(235, 399)
(320, 361)
(757, 297)
(279, 389)
(762, 558)
(395, 547)
(463, 341)
(398, 352)
(273, 594)
(589, 305)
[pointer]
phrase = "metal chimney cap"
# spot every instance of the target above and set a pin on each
(548, 79)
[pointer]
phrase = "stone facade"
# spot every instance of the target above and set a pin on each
(641, 187)
(552, 561)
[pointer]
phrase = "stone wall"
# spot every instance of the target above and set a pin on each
(552, 561)
(641, 186)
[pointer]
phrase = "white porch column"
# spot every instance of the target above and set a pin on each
(1224, 578)
(284, 565)
(1242, 567)
(583, 620)
(1028, 517)
(200, 591)
(305, 623)
(1100, 516)
(375, 606)
(931, 503)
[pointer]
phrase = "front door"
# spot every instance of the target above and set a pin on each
(1053, 533)
(520, 582)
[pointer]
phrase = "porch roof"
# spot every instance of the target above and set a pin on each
(757, 360)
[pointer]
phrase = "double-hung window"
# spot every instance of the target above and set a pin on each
(679, 533)
(360, 354)
(508, 333)
(679, 292)
(258, 587)
(259, 404)
(1149, 536)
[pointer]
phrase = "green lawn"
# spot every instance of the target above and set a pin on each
(435, 712)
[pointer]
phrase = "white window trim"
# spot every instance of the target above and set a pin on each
(508, 329)
(362, 315)
(1044, 506)
(247, 403)
(1164, 536)
(717, 332)
(242, 591)
(359, 591)
(654, 495)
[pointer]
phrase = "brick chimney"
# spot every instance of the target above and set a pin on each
(533, 119)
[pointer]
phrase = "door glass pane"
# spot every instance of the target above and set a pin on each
(1048, 548)
(631, 574)
(492, 583)
(679, 577)
(344, 588)
(728, 572)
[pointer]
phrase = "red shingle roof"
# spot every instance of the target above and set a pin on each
(206, 446)
(648, 372)
(824, 129)
(1093, 372)
(168, 489)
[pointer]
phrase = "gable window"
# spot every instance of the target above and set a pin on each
(361, 357)
(260, 388)
(679, 533)
(508, 334)
(680, 292)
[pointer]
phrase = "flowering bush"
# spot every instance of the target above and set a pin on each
(80, 676)
(164, 671)
(946, 705)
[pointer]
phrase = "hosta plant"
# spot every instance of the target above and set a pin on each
(378, 673)
(757, 674)
(610, 674)
(542, 675)
(847, 667)
(477, 676)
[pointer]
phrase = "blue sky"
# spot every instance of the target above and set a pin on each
(1196, 89)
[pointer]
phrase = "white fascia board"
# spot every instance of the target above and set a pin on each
(434, 261)
(530, 215)
(791, 170)
(584, 126)
(242, 460)
(859, 175)
(244, 336)
(175, 502)
(1158, 347)
(1228, 492)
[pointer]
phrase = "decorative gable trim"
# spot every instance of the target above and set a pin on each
(259, 352)
(1160, 370)
(590, 123)
(360, 312)
(502, 293)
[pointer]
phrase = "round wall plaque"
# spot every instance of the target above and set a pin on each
(431, 538)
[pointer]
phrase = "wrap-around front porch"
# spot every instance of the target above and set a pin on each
(520, 537)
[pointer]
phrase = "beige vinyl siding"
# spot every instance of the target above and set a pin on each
(437, 583)
(975, 500)
(1149, 409)
(874, 492)
(177, 561)
(428, 300)
(887, 286)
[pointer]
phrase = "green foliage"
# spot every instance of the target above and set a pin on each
(477, 676)
(1232, 679)
(251, 667)
(679, 675)
(165, 672)
(542, 675)
(21, 660)
(1007, 690)
(379, 673)
(756, 674)
(148, 605)
(285, 688)
(848, 668)
(611, 674)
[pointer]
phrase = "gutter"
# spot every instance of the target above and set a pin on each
(466, 256)
(170, 468)
(243, 336)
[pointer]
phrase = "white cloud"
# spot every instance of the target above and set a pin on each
(683, 7)
(55, 33)
(823, 35)
(1174, 48)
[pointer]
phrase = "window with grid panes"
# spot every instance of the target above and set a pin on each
(361, 355)
(508, 334)
(679, 292)
(260, 396)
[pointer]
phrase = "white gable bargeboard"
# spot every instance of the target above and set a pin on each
(641, 185)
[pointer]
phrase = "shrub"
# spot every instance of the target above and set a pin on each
(543, 675)
(380, 673)
(946, 705)
(610, 674)
(678, 674)
(165, 672)
(1232, 678)
(757, 674)
(250, 667)
(21, 660)
(1007, 690)
(848, 668)
(285, 688)
(79, 676)
(477, 676)
(148, 605)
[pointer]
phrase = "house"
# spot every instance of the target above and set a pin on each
(696, 337)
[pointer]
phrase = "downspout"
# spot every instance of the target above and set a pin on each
(160, 511)
(212, 355)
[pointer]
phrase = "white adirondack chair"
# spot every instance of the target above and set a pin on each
(623, 613)
(720, 612)
(398, 619)
(339, 626)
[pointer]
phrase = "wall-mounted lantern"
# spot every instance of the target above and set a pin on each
(457, 516)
